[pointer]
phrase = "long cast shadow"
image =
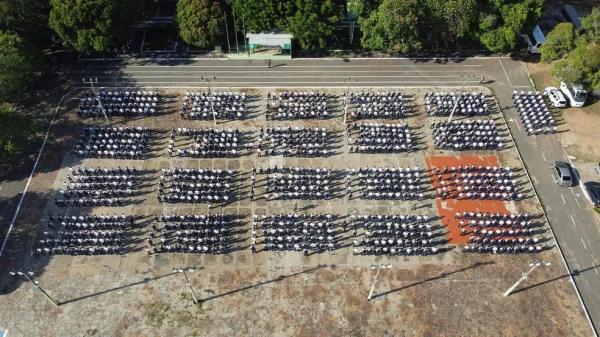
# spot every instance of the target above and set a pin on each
(440, 276)
(575, 272)
(280, 278)
(143, 281)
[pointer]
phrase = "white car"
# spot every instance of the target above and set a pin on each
(556, 97)
(575, 94)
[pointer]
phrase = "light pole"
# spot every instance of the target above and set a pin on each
(91, 82)
(347, 99)
(378, 267)
(525, 275)
(187, 280)
(466, 78)
(35, 284)
(212, 106)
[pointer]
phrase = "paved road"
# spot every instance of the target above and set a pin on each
(574, 223)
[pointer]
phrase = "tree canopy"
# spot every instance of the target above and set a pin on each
(313, 22)
(446, 20)
(201, 22)
(261, 15)
(501, 22)
(394, 26)
(18, 65)
(575, 59)
(28, 18)
(590, 25)
(15, 130)
(98, 25)
(559, 42)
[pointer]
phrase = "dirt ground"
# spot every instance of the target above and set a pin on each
(276, 293)
(582, 123)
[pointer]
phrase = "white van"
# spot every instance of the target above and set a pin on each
(575, 94)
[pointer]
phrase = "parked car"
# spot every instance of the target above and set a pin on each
(562, 173)
(556, 97)
(592, 192)
(575, 94)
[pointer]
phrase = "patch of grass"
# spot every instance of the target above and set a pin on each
(157, 313)
(597, 209)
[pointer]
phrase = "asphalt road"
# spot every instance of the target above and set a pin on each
(574, 223)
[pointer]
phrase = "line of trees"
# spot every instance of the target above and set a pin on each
(575, 53)
(387, 25)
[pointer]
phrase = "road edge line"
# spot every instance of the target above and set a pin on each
(585, 310)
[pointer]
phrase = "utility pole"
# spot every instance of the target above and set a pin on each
(237, 46)
(227, 34)
(466, 78)
(212, 106)
(379, 267)
(525, 275)
(347, 100)
(35, 284)
(91, 83)
(187, 280)
(244, 26)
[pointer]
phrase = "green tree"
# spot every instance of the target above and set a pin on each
(501, 22)
(96, 25)
(19, 65)
(559, 42)
(15, 130)
(447, 20)
(314, 21)
(362, 8)
(201, 22)
(394, 26)
(261, 15)
(28, 18)
(590, 25)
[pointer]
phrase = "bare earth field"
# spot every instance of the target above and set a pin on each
(581, 123)
(275, 294)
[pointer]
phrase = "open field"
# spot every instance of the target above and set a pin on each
(270, 293)
(581, 122)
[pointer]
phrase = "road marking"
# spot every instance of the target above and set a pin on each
(577, 201)
(517, 123)
(262, 66)
(583, 242)
(563, 198)
(573, 220)
(195, 77)
(505, 73)
(544, 157)
(286, 84)
(461, 72)
(554, 179)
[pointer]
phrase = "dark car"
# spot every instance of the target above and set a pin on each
(562, 172)
(592, 191)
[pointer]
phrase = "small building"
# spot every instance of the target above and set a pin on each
(569, 14)
(535, 40)
(270, 45)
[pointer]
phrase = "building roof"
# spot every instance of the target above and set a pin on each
(269, 39)
(538, 35)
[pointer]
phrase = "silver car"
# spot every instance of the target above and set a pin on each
(562, 173)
